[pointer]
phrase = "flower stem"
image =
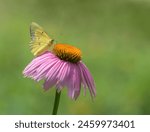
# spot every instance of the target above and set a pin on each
(56, 102)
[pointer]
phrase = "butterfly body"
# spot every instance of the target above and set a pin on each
(40, 41)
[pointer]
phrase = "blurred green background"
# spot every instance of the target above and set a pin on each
(114, 36)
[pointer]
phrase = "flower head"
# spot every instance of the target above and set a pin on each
(62, 67)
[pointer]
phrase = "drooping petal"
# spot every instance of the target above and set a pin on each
(74, 81)
(62, 76)
(77, 83)
(87, 79)
(31, 68)
(51, 76)
(43, 69)
(49, 83)
(35, 63)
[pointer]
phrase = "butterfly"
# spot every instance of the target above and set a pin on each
(40, 41)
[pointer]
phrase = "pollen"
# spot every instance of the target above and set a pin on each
(67, 52)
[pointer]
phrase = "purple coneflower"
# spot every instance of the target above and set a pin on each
(62, 67)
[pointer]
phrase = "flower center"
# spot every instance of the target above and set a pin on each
(67, 52)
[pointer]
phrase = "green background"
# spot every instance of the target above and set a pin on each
(114, 36)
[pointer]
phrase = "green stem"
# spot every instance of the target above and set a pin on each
(56, 102)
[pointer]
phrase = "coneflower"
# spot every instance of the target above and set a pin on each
(62, 67)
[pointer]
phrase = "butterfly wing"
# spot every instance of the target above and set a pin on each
(40, 41)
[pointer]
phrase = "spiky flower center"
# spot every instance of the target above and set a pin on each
(67, 52)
